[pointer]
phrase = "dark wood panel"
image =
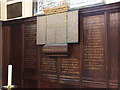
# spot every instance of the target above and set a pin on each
(48, 83)
(30, 63)
(113, 48)
(70, 66)
(30, 83)
(1, 50)
(5, 53)
(94, 49)
(14, 10)
(16, 51)
(119, 46)
(30, 48)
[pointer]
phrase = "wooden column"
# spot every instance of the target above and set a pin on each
(0, 54)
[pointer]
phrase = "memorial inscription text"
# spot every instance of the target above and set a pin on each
(94, 42)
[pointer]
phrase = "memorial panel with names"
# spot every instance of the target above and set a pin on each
(49, 65)
(94, 63)
(41, 30)
(56, 28)
(70, 66)
(30, 48)
(72, 30)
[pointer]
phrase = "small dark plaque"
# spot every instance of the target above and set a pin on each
(14, 10)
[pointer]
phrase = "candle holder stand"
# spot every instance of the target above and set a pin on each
(9, 87)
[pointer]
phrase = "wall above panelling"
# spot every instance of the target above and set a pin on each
(26, 8)
(111, 1)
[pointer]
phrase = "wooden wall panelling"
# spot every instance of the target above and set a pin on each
(99, 40)
(39, 65)
(119, 48)
(16, 52)
(81, 34)
(49, 72)
(22, 61)
(1, 54)
(94, 60)
(6, 52)
(111, 60)
(113, 49)
(31, 72)
(70, 68)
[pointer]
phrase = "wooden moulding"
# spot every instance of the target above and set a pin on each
(55, 50)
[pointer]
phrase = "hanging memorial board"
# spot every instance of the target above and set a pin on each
(41, 30)
(56, 28)
(59, 28)
(72, 29)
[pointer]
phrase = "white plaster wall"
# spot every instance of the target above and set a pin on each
(3, 10)
(111, 1)
(26, 8)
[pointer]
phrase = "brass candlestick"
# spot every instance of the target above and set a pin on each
(9, 87)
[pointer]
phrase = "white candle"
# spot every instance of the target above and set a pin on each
(9, 75)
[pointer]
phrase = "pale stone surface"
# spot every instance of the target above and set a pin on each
(111, 1)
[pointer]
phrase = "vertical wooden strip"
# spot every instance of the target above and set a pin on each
(118, 49)
(58, 71)
(81, 48)
(113, 50)
(38, 65)
(106, 48)
(0, 53)
(5, 52)
(22, 63)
